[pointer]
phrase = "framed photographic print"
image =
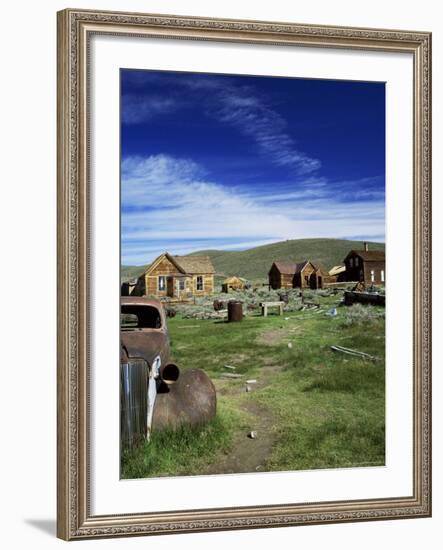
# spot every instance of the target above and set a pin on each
(243, 274)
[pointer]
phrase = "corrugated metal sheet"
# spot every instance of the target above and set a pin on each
(133, 401)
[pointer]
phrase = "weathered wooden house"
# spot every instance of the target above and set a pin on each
(295, 275)
(177, 277)
(233, 283)
(367, 266)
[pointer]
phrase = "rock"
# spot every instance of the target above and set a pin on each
(252, 435)
(290, 345)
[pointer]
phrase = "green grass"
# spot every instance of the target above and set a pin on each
(179, 452)
(254, 264)
(326, 409)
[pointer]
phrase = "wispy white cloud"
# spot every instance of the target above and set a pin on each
(228, 103)
(265, 126)
(140, 108)
(168, 203)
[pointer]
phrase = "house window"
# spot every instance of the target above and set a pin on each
(161, 283)
(382, 276)
(351, 262)
(372, 275)
(356, 262)
(181, 284)
(199, 282)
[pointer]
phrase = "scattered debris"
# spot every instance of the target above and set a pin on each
(188, 326)
(229, 367)
(218, 305)
(248, 388)
(332, 312)
(290, 345)
(251, 381)
(252, 435)
(375, 298)
(356, 353)
(229, 375)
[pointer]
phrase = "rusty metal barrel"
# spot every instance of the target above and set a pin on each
(235, 311)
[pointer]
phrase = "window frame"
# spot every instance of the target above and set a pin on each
(197, 283)
(159, 278)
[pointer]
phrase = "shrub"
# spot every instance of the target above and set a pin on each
(358, 314)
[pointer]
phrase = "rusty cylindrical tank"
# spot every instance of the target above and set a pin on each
(235, 311)
(191, 400)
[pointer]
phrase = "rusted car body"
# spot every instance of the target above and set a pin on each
(154, 394)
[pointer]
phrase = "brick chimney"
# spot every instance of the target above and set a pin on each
(365, 246)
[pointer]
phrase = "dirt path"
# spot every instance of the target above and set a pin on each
(250, 454)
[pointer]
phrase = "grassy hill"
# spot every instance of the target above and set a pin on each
(254, 263)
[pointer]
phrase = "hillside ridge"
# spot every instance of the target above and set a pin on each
(254, 263)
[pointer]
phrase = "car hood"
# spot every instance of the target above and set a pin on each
(140, 344)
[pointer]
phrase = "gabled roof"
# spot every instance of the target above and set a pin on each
(157, 260)
(368, 255)
(234, 279)
(287, 268)
(337, 269)
(185, 265)
(195, 264)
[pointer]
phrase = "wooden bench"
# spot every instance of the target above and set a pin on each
(266, 305)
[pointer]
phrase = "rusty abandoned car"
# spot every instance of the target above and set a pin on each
(154, 393)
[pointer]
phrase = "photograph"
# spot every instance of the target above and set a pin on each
(252, 273)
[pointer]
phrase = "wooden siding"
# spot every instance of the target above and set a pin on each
(362, 271)
(148, 283)
(309, 277)
(377, 267)
(287, 281)
(208, 284)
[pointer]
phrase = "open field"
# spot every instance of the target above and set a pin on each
(310, 407)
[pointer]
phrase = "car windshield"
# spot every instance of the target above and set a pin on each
(138, 317)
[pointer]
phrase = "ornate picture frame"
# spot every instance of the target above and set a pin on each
(75, 518)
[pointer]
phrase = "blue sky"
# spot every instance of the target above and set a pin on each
(231, 162)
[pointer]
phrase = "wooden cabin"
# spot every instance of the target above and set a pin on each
(177, 277)
(367, 266)
(233, 283)
(295, 275)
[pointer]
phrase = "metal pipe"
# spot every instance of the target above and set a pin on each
(169, 373)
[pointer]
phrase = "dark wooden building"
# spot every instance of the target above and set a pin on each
(367, 266)
(295, 275)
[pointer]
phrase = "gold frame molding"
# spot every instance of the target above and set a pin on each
(75, 27)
